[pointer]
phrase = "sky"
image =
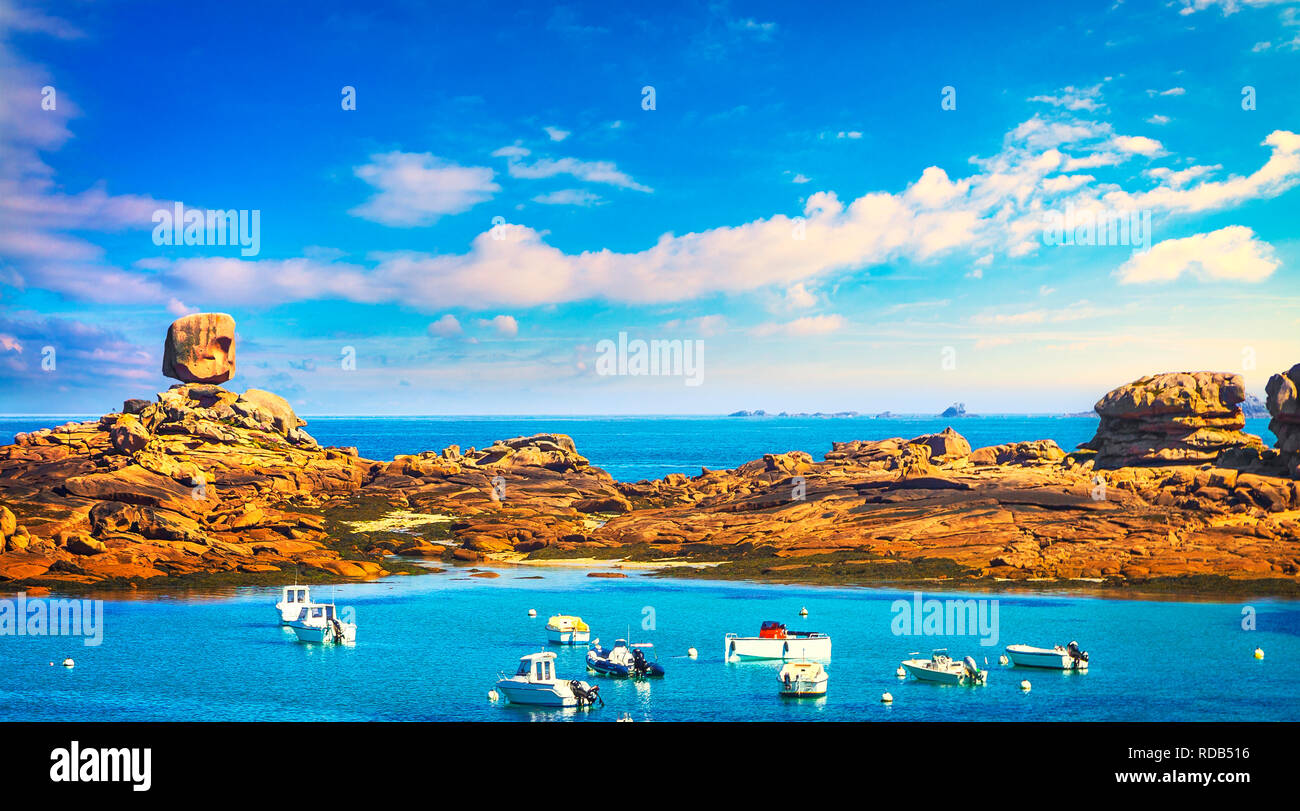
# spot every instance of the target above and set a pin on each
(460, 208)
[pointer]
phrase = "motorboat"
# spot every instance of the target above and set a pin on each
(803, 679)
(563, 629)
(775, 641)
(291, 602)
(942, 669)
(623, 660)
(319, 623)
(535, 683)
(1054, 658)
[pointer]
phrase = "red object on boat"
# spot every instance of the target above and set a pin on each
(772, 630)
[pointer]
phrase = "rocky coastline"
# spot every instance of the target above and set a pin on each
(206, 485)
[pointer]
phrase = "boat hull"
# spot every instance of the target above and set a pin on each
(741, 648)
(1044, 658)
(558, 637)
(533, 694)
(321, 635)
(956, 675)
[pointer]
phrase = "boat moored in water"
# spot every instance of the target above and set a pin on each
(942, 669)
(319, 623)
(803, 679)
(563, 629)
(775, 641)
(623, 660)
(535, 683)
(1054, 658)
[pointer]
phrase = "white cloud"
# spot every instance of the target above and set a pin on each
(556, 133)
(568, 197)
(761, 31)
(1230, 254)
(1138, 144)
(1158, 120)
(800, 178)
(801, 327)
(799, 297)
(1073, 98)
(503, 325)
(1227, 6)
(418, 188)
(446, 327)
(590, 171)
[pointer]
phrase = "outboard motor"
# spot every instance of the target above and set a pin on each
(972, 669)
(639, 665)
(1075, 654)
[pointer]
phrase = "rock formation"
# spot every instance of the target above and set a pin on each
(200, 348)
(1172, 419)
(1284, 408)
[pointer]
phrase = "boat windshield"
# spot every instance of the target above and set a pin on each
(525, 667)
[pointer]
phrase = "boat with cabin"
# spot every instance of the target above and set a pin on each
(775, 641)
(291, 602)
(535, 683)
(320, 623)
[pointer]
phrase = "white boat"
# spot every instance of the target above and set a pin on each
(802, 679)
(775, 641)
(563, 629)
(291, 603)
(941, 668)
(319, 623)
(623, 660)
(535, 683)
(1055, 658)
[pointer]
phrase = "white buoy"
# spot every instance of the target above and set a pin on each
(900, 673)
(803, 612)
(1025, 685)
(68, 662)
(693, 653)
(886, 698)
(532, 612)
(493, 695)
(1259, 653)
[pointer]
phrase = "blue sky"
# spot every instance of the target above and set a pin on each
(798, 200)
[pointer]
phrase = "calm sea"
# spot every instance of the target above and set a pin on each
(431, 647)
(634, 448)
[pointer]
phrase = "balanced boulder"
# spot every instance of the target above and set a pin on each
(1172, 419)
(200, 348)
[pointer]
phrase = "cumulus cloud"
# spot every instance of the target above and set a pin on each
(418, 188)
(1073, 98)
(446, 327)
(1231, 254)
(557, 134)
(503, 325)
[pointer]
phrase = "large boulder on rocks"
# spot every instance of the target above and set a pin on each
(200, 348)
(268, 407)
(1284, 408)
(1036, 452)
(1172, 419)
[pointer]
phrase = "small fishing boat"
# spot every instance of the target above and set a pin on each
(563, 629)
(291, 603)
(536, 684)
(1054, 658)
(940, 668)
(775, 641)
(623, 660)
(803, 679)
(319, 623)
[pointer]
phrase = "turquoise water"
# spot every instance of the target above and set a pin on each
(633, 448)
(430, 648)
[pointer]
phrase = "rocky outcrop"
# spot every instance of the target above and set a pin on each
(200, 348)
(1178, 418)
(1284, 408)
(1036, 452)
